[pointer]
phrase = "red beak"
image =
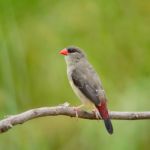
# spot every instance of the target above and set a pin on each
(64, 52)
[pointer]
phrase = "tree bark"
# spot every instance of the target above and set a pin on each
(10, 121)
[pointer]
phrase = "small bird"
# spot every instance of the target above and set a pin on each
(85, 82)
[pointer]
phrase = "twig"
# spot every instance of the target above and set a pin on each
(13, 120)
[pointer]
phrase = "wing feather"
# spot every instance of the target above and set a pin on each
(87, 85)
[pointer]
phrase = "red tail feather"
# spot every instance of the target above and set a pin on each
(102, 108)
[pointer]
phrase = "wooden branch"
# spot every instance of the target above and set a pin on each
(13, 120)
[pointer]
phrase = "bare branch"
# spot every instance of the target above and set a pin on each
(13, 120)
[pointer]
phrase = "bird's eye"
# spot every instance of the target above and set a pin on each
(71, 50)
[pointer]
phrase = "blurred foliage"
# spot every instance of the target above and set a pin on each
(115, 36)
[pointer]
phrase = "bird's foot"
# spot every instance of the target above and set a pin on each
(76, 109)
(97, 114)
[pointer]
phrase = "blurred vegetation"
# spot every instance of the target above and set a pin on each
(115, 36)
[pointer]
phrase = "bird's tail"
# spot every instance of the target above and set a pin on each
(102, 108)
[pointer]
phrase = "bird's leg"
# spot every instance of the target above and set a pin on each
(77, 108)
(97, 114)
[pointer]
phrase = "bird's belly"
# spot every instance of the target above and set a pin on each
(81, 96)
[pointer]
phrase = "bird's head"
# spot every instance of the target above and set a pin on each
(72, 53)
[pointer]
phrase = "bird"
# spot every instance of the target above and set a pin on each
(86, 83)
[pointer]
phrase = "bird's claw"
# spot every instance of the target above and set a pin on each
(76, 110)
(97, 114)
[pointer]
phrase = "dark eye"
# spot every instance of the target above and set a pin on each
(72, 50)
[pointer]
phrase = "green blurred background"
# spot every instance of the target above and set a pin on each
(116, 37)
